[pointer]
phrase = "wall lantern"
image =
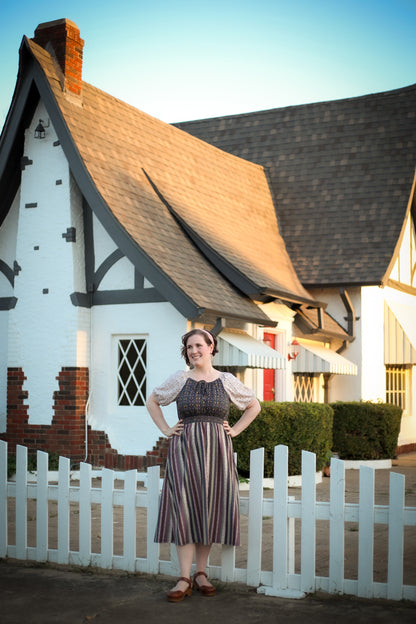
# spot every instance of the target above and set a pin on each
(294, 350)
(40, 129)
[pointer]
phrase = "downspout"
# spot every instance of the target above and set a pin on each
(89, 279)
(327, 377)
(219, 326)
(87, 405)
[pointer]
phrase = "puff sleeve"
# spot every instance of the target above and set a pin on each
(168, 391)
(238, 393)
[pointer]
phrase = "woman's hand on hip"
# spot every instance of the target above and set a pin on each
(229, 430)
(175, 430)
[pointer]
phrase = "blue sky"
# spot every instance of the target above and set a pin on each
(185, 59)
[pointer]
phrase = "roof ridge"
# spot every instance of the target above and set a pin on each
(273, 110)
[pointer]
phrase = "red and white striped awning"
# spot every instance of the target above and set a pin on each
(244, 351)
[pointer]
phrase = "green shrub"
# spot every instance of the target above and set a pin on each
(365, 430)
(300, 426)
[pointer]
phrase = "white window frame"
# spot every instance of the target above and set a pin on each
(140, 392)
(401, 388)
(312, 381)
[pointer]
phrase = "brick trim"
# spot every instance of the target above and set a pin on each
(66, 434)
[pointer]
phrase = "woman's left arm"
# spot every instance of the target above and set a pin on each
(250, 413)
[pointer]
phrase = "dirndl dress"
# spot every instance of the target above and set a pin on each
(200, 494)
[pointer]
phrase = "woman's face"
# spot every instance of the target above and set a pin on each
(197, 350)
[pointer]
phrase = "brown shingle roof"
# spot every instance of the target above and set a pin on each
(152, 175)
(341, 174)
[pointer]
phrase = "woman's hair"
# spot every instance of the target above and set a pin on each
(209, 338)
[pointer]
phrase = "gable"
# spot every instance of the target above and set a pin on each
(401, 273)
(404, 269)
(124, 202)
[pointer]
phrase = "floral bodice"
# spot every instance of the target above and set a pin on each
(237, 392)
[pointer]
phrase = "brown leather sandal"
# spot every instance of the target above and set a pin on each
(206, 590)
(178, 595)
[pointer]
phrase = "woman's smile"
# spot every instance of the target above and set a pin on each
(197, 350)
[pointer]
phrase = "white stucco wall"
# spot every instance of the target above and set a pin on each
(103, 243)
(8, 232)
(372, 341)
(45, 329)
(130, 429)
(4, 328)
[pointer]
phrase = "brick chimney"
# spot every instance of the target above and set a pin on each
(64, 37)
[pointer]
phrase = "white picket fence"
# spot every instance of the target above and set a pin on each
(282, 580)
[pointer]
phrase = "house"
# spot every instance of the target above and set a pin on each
(119, 233)
(342, 176)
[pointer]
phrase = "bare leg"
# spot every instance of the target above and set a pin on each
(185, 557)
(202, 553)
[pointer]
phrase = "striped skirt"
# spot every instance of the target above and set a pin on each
(200, 495)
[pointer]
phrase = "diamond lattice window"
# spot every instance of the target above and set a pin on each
(131, 372)
(304, 388)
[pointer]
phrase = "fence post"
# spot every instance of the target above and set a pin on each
(107, 518)
(3, 499)
(129, 521)
(85, 514)
(280, 516)
(280, 529)
(366, 532)
(228, 556)
(42, 516)
(152, 498)
(336, 527)
(63, 510)
(308, 523)
(21, 502)
(227, 563)
(255, 517)
(396, 527)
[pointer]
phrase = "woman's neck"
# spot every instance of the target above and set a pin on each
(208, 373)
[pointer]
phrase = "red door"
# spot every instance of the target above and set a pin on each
(269, 373)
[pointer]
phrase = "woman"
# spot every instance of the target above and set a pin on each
(200, 500)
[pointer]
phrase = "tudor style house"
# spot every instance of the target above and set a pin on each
(290, 234)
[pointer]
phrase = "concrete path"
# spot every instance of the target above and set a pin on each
(45, 594)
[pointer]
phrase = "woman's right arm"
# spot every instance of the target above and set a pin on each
(156, 413)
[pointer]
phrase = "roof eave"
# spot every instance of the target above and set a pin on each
(292, 298)
(258, 319)
(343, 284)
(22, 107)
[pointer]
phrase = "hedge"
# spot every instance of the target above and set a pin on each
(300, 426)
(364, 430)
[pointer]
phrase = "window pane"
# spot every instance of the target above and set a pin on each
(132, 371)
(396, 385)
(304, 388)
